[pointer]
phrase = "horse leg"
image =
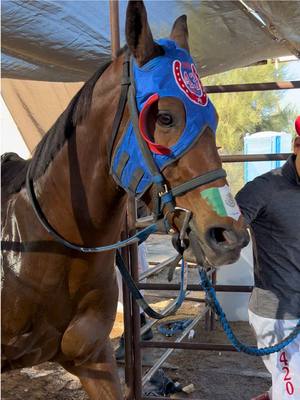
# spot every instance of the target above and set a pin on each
(99, 379)
(86, 347)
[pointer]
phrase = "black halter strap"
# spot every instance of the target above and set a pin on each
(159, 184)
(200, 180)
(126, 82)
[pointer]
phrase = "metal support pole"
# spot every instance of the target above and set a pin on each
(187, 346)
(157, 268)
(254, 157)
(252, 87)
(136, 319)
(114, 27)
(194, 287)
(127, 312)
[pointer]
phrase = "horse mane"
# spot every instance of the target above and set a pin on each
(64, 126)
(14, 169)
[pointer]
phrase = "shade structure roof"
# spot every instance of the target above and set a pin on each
(65, 41)
(50, 47)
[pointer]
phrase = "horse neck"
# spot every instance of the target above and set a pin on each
(89, 205)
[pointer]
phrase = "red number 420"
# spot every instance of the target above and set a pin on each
(287, 379)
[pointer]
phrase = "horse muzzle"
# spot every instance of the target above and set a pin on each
(220, 245)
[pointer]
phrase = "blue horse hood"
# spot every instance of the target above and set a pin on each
(170, 75)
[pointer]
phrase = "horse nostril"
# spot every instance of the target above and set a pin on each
(230, 237)
(219, 236)
(226, 239)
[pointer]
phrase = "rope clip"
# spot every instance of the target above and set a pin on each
(183, 230)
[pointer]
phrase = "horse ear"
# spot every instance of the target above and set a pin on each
(138, 34)
(180, 33)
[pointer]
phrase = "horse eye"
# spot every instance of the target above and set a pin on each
(165, 119)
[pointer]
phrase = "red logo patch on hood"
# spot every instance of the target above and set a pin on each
(187, 79)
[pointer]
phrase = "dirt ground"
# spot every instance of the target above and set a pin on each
(217, 375)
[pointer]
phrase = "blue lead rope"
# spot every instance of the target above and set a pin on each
(171, 328)
(251, 350)
(137, 295)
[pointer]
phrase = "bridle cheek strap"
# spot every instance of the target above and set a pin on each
(143, 118)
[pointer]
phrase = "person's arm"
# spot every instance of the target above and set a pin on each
(253, 198)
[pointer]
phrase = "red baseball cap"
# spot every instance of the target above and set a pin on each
(297, 125)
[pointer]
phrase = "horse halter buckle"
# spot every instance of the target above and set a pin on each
(164, 191)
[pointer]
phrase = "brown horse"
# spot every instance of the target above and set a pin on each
(59, 304)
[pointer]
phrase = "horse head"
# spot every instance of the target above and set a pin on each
(168, 154)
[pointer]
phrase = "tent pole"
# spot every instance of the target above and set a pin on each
(114, 27)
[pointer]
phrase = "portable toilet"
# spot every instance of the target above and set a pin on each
(264, 143)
